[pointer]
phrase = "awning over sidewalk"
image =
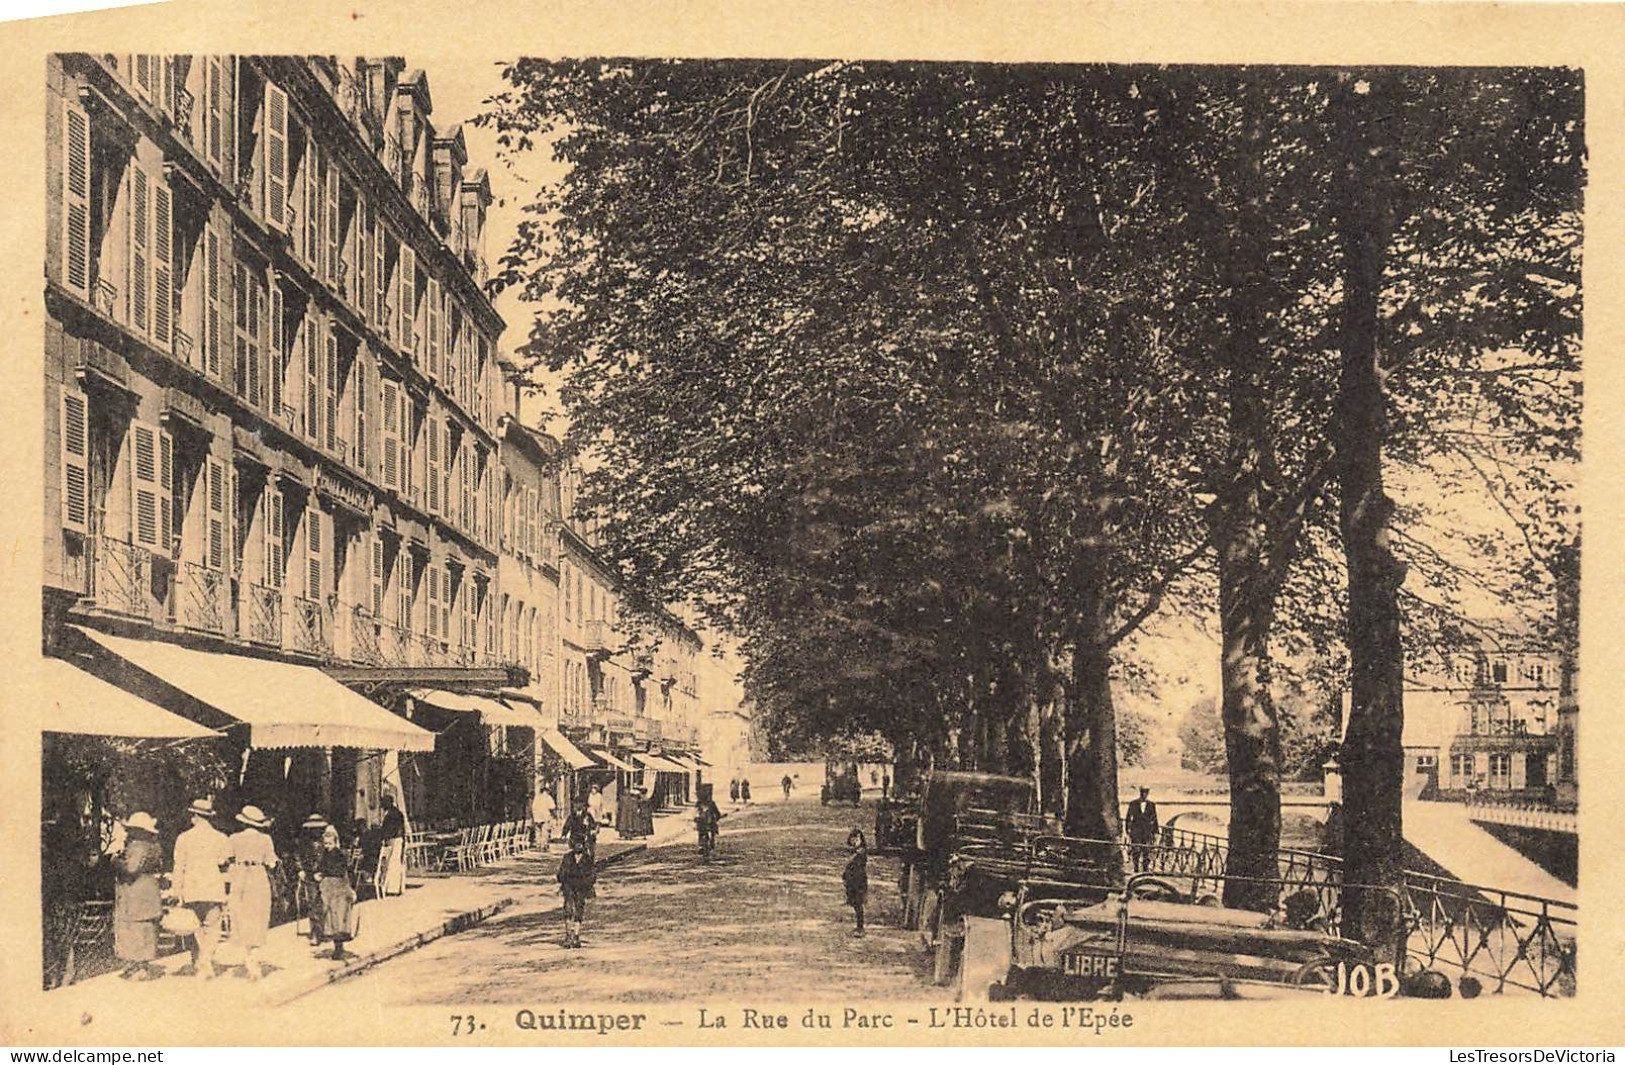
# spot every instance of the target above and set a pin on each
(610, 760)
(555, 741)
(491, 711)
(89, 706)
(284, 705)
(687, 762)
(659, 764)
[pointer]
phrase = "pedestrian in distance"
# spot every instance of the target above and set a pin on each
(788, 784)
(542, 809)
(252, 859)
(885, 785)
(707, 819)
(202, 853)
(744, 791)
(1141, 826)
(578, 874)
(307, 860)
(581, 826)
(855, 877)
(337, 893)
(595, 803)
(137, 900)
(733, 791)
(392, 855)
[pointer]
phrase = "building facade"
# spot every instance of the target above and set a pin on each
(1486, 722)
(271, 398)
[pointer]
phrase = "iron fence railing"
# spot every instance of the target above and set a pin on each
(202, 599)
(125, 579)
(259, 615)
(309, 627)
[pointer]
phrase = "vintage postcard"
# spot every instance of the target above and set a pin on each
(615, 524)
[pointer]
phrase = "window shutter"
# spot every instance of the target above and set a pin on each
(234, 533)
(214, 132)
(380, 261)
(140, 263)
(313, 382)
(433, 429)
(276, 156)
(403, 590)
(363, 397)
(256, 320)
(166, 493)
(432, 622)
(434, 327)
(212, 323)
(332, 222)
(163, 294)
(76, 200)
(274, 518)
(445, 602)
(376, 599)
(362, 291)
(330, 383)
(146, 75)
(313, 544)
(406, 302)
(389, 399)
(144, 487)
(75, 461)
(275, 362)
(312, 208)
(215, 551)
(447, 501)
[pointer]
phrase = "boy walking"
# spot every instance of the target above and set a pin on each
(577, 875)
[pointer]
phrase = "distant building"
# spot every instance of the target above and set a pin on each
(1486, 721)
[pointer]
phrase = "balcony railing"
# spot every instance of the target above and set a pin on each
(393, 643)
(259, 615)
(361, 638)
(597, 636)
(202, 599)
(309, 627)
(127, 579)
(425, 650)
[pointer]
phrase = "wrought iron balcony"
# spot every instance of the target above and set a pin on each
(106, 295)
(597, 637)
(308, 626)
(361, 638)
(393, 644)
(202, 599)
(259, 615)
(130, 580)
(423, 650)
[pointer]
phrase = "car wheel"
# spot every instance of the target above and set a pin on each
(1156, 891)
(1321, 973)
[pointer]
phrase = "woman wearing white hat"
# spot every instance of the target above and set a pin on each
(252, 859)
(137, 902)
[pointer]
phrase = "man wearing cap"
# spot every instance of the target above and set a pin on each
(252, 859)
(1141, 825)
(202, 853)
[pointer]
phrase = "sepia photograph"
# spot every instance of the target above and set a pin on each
(663, 547)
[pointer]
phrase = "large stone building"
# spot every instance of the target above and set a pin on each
(271, 415)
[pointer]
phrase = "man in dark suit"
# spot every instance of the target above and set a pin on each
(1141, 825)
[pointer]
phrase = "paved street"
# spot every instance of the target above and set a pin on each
(765, 920)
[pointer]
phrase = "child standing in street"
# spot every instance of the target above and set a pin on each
(856, 875)
(577, 874)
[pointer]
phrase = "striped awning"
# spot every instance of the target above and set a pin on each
(86, 705)
(611, 760)
(284, 705)
(491, 711)
(573, 757)
(659, 764)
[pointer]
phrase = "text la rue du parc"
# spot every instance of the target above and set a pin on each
(1085, 1018)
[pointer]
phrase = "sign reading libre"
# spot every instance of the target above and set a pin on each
(1096, 966)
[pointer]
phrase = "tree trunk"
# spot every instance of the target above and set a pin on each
(1091, 729)
(1373, 758)
(1252, 735)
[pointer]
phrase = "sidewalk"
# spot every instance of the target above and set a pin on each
(433, 906)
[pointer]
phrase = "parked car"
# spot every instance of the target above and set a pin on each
(1159, 938)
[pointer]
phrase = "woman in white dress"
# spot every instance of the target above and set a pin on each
(252, 858)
